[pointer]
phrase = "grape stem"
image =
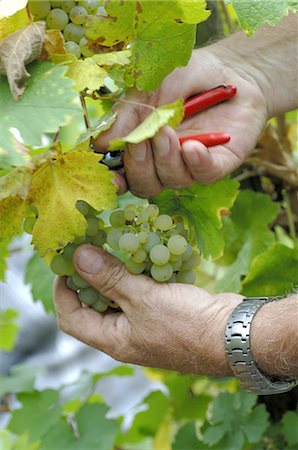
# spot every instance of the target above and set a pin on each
(85, 111)
(28, 13)
(129, 102)
(228, 20)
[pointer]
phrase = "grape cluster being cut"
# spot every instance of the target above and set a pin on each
(69, 17)
(146, 241)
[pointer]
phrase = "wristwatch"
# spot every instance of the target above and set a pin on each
(239, 354)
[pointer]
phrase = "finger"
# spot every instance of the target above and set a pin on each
(101, 331)
(129, 115)
(209, 164)
(170, 166)
(140, 170)
(109, 276)
(120, 181)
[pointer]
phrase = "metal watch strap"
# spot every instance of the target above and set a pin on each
(239, 352)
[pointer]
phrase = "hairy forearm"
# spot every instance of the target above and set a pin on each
(270, 58)
(274, 337)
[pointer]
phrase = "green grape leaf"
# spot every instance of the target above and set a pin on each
(186, 406)
(16, 51)
(94, 431)
(253, 14)
(21, 379)
(12, 211)
(290, 427)
(171, 114)
(202, 206)
(48, 103)
(256, 424)
(146, 423)
(186, 438)
(246, 235)
(40, 412)
(273, 272)
(4, 253)
(87, 74)
(232, 412)
(41, 279)
(9, 25)
(10, 7)
(109, 59)
(8, 329)
(9, 441)
(159, 37)
(56, 186)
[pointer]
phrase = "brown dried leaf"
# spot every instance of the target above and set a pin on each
(274, 155)
(53, 44)
(17, 50)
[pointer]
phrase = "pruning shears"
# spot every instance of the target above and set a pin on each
(192, 106)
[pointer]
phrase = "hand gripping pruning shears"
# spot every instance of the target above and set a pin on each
(192, 106)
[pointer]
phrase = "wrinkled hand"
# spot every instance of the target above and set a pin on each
(161, 162)
(171, 326)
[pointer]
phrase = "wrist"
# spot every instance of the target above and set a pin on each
(274, 338)
(268, 60)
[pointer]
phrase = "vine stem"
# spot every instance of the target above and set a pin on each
(129, 102)
(227, 16)
(85, 111)
(29, 13)
(290, 216)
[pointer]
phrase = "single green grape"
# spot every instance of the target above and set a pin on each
(188, 253)
(78, 15)
(186, 277)
(57, 19)
(153, 239)
(90, 5)
(163, 222)
(39, 9)
(130, 212)
(134, 267)
(129, 243)
(159, 254)
(113, 237)
(69, 251)
(67, 5)
(70, 284)
(60, 266)
(73, 32)
(187, 265)
(88, 295)
(100, 306)
(117, 218)
(153, 211)
(85, 50)
(73, 48)
(176, 265)
(161, 273)
(177, 244)
(79, 281)
(139, 256)
(28, 224)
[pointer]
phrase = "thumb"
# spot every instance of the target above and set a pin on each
(109, 276)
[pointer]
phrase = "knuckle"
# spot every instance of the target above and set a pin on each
(116, 273)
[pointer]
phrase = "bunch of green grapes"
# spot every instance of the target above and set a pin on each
(68, 16)
(148, 243)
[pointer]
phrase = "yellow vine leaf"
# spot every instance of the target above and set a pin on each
(53, 44)
(56, 186)
(9, 25)
(16, 182)
(12, 211)
(87, 74)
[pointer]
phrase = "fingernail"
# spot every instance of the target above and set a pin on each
(162, 144)
(138, 151)
(88, 260)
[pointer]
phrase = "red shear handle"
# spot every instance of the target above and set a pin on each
(208, 139)
(207, 99)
